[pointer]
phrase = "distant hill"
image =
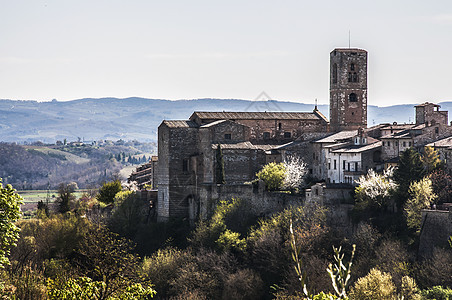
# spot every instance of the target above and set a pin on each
(138, 118)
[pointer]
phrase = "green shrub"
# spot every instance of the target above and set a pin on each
(273, 175)
(108, 191)
(437, 293)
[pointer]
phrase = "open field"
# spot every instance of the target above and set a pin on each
(38, 195)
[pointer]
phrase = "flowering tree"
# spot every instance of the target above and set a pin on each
(375, 189)
(422, 196)
(295, 172)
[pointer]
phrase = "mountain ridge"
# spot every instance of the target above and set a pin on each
(138, 118)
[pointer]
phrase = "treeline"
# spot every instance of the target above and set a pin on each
(32, 168)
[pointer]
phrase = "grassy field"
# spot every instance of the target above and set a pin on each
(34, 196)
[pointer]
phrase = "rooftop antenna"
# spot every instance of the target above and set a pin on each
(349, 39)
(315, 104)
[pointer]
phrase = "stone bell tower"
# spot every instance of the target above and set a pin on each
(348, 89)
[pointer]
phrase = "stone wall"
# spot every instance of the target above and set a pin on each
(436, 228)
(261, 202)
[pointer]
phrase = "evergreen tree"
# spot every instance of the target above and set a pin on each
(430, 159)
(410, 169)
(220, 176)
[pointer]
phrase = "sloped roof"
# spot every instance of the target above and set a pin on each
(255, 115)
(341, 135)
(180, 124)
(443, 143)
(357, 148)
(427, 104)
(244, 145)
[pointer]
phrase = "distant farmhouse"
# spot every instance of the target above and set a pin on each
(337, 152)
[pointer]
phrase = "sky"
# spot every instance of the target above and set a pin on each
(72, 49)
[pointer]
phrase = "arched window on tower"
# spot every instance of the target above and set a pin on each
(350, 77)
(355, 77)
(335, 73)
(352, 67)
(352, 97)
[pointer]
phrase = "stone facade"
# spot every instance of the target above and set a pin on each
(348, 89)
(429, 114)
(187, 151)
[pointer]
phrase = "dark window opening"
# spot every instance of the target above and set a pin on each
(355, 77)
(287, 135)
(348, 165)
(343, 164)
(397, 144)
(316, 192)
(349, 77)
(436, 130)
(404, 144)
(335, 73)
(310, 171)
(352, 97)
(389, 144)
(227, 136)
(329, 166)
(356, 167)
(185, 165)
(353, 113)
(335, 164)
(279, 126)
(266, 135)
(409, 144)
(352, 67)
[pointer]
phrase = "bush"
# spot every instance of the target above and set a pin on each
(273, 175)
(437, 293)
(374, 286)
(108, 191)
(437, 270)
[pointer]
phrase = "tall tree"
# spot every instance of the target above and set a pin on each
(430, 159)
(10, 203)
(220, 176)
(410, 169)
(421, 197)
(65, 196)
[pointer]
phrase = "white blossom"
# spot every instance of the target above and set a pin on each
(295, 171)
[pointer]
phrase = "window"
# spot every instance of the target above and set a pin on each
(389, 143)
(397, 144)
(185, 165)
(355, 77)
(287, 135)
(352, 67)
(279, 126)
(334, 73)
(329, 166)
(227, 136)
(409, 144)
(352, 97)
(343, 164)
(348, 167)
(316, 192)
(404, 144)
(266, 135)
(335, 164)
(436, 130)
(350, 77)
(383, 144)
(313, 156)
(356, 167)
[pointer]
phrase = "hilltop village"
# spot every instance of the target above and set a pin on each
(337, 151)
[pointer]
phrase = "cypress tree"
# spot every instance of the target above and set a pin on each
(220, 176)
(410, 169)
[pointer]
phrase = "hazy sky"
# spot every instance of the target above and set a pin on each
(68, 49)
